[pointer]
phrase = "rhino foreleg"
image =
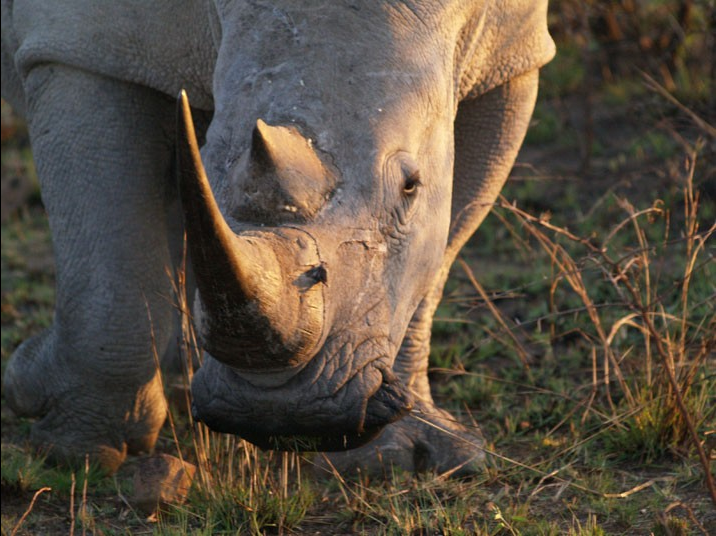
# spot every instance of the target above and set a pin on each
(103, 151)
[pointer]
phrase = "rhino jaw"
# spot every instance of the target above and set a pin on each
(389, 404)
(294, 417)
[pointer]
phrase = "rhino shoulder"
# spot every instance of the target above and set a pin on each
(163, 44)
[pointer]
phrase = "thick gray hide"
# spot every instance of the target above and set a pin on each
(351, 148)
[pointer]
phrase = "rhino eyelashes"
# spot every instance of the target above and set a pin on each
(318, 274)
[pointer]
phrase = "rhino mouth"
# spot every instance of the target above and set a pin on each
(389, 404)
(304, 414)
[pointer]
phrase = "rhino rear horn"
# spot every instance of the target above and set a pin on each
(283, 149)
(286, 168)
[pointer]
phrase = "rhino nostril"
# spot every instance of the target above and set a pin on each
(318, 274)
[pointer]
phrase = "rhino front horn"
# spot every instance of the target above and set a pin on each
(256, 313)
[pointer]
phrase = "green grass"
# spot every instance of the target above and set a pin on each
(241, 490)
(22, 469)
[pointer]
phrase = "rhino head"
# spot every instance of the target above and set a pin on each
(319, 224)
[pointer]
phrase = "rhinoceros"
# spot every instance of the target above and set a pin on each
(334, 159)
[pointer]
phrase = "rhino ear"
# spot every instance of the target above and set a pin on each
(288, 173)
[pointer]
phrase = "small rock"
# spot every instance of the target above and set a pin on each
(161, 480)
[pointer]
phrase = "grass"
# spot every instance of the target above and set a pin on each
(578, 330)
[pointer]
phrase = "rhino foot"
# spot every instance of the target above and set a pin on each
(429, 439)
(77, 413)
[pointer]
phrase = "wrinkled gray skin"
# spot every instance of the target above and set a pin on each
(351, 147)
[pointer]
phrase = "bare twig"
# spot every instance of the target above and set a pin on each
(29, 509)
(521, 350)
(83, 506)
(661, 90)
(668, 362)
(159, 375)
(632, 491)
(72, 504)
(690, 513)
(571, 273)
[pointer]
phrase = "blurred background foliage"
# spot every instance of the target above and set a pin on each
(607, 49)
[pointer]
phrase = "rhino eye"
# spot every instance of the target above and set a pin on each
(412, 182)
